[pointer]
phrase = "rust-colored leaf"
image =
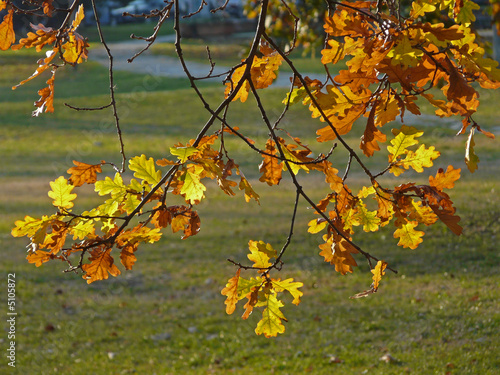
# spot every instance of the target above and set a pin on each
(83, 173)
(7, 34)
(101, 263)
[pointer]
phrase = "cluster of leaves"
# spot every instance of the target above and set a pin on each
(394, 58)
(65, 43)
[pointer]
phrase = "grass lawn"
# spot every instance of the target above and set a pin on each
(439, 315)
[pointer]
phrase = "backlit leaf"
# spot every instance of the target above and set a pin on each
(61, 193)
(378, 272)
(83, 173)
(231, 292)
(408, 236)
(7, 34)
(290, 286)
(471, 158)
(270, 324)
(101, 263)
(183, 153)
(445, 180)
(192, 189)
(145, 169)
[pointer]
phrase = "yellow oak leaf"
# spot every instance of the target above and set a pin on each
(290, 286)
(404, 54)
(270, 324)
(61, 193)
(145, 169)
(236, 77)
(419, 159)
(183, 153)
(79, 16)
(260, 254)
(83, 173)
(7, 34)
(247, 188)
(231, 293)
(378, 272)
(32, 228)
(317, 225)
(75, 49)
(408, 236)
(333, 54)
(404, 138)
(420, 7)
(115, 186)
(368, 219)
(192, 189)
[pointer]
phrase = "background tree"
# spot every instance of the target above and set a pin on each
(394, 58)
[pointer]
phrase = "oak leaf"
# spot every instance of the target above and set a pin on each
(40, 257)
(408, 236)
(7, 34)
(231, 292)
(84, 173)
(61, 193)
(378, 272)
(192, 189)
(471, 159)
(145, 169)
(290, 286)
(445, 180)
(127, 257)
(260, 254)
(270, 167)
(270, 324)
(101, 263)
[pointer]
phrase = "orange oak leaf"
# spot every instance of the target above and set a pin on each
(127, 257)
(101, 263)
(270, 167)
(46, 101)
(83, 173)
(445, 180)
(40, 257)
(252, 301)
(7, 35)
(41, 37)
(231, 292)
(192, 226)
(48, 8)
(371, 137)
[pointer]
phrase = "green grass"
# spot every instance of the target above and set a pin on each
(439, 315)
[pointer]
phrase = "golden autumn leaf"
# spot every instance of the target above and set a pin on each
(408, 236)
(231, 292)
(290, 286)
(127, 257)
(270, 324)
(61, 193)
(378, 272)
(101, 263)
(40, 257)
(260, 254)
(145, 169)
(270, 167)
(7, 34)
(83, 173)
(445, 180)
(46, 101)
(192, 189)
